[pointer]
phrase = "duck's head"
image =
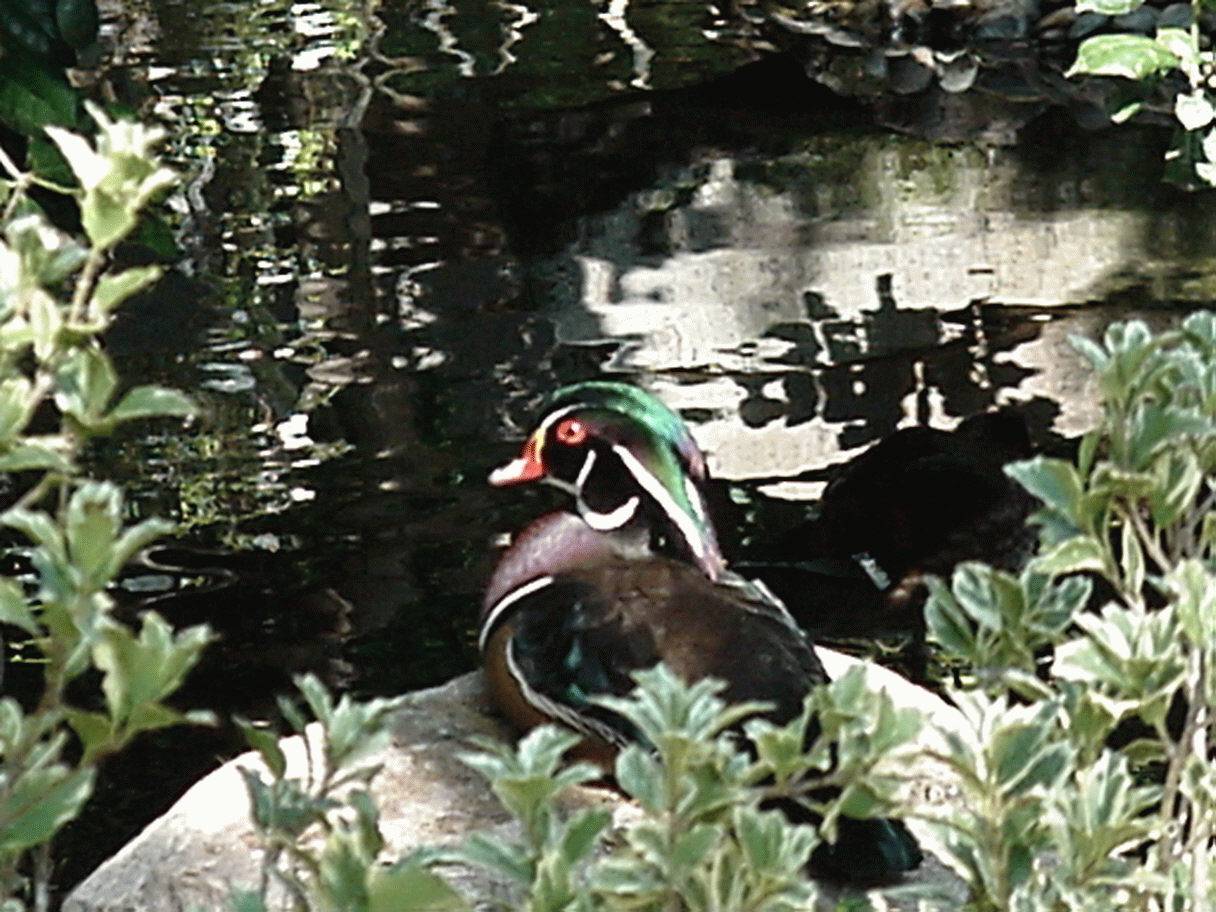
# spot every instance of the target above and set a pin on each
(626, 458)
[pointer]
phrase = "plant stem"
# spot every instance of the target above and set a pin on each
(1151, 545)
(1171, 848)
(84, 285)
(42, 877)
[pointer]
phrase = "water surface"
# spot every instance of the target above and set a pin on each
(401, 230)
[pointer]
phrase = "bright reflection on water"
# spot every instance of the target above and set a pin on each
(398, 236)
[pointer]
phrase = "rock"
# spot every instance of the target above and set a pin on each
(957, 70)
(1176, 15)
(204, 845)
(907, 75)
(1086, 24)
(1142, 20)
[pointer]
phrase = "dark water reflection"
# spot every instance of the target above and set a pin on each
(399, 235)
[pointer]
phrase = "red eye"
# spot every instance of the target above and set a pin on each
(571, 432)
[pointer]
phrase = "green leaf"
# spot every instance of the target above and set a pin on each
(408, 887)
(139, 673)
(343, 874)
(45, 322)
(1178, 42)
(1094, 353)
(77, 21)
(266, 743)
(317, 697)
(693, 845)
(1124, 112)
(15, 608)
(1131, 559)
(1194, 111)
(84, 385)
(638, 773)
(39, 528)
(1071, 556)
(135, 539)
(33, 94)
(94, 731)
(947, 623)
(113, 289)
(106, 220)
(1178, 480)
(494, 854)
(32, 456)
(38, 803)
(582, 833)
(1053, 481)
(152, 402)
(1108, 7)
(1129, 56)
(94, 517)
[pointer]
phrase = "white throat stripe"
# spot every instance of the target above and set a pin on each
(613, 519)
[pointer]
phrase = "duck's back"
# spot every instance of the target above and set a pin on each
(587, 631)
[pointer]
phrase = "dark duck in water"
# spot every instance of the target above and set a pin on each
(918, 502)
(633, 576)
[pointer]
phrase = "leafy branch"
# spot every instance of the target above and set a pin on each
(57, 298)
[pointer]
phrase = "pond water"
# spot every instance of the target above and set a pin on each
(401, 229)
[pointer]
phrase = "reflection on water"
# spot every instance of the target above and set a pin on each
(400, 235)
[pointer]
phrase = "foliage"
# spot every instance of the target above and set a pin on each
(39, 39)
(704, 837)
(57, 298)
(1081, 750)
(1144, 60)
(1087, 746)
(320, 831)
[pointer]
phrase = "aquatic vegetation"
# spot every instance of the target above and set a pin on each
(57, 298)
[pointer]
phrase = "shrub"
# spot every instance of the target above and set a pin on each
(57, 298)
(1060, 816)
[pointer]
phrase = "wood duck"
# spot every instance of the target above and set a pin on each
(632, 576)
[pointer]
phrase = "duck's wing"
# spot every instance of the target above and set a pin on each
(569, 644)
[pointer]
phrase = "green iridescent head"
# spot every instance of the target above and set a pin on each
(624, 455)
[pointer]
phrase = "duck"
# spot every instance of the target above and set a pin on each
(631, 575)
(917, 503)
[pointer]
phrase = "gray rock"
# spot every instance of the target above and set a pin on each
(1142, 20)
(1086, 24)
(1176, 15)
(957, 70)
(204, 845)
(907, 75)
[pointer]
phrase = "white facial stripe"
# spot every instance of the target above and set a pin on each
(694, 498)
(652, 486)
(553, 417)
(494, 615)
(588, 464)
(614, 519)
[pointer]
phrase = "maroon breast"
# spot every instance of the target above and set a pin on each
(555, 543)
